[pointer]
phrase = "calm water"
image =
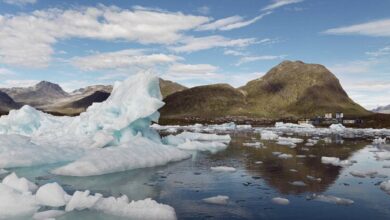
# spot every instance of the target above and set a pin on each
(183, 185)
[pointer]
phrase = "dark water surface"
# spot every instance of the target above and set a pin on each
(183, 185)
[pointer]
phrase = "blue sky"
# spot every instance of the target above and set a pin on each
(79, 43)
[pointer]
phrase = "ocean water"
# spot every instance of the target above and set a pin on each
(184, 185)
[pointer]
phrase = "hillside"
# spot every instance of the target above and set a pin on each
(168, 87)
(6, 103)
(289, 90)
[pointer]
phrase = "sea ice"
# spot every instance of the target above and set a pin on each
(280, 201)
(223, 169)
(20, 184)
(52, 194)
(268, 135)
(14, 203)
(335, 161)
(363, 174)
(219, 200)
(211, 146)
(285, 156)
(331, 199)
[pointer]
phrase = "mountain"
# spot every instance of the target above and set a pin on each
(6, 103)
(168, 87)
(42, 93)
(382, 109)
(289, 90)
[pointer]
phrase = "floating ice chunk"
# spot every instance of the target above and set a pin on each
(385, 155)
(268, 135)
(180, 138)
(289, 141)
(280, 201)
(385, 186)
(20, 184)
(255, 144)
(82, 200)
(138, 152)
(363, 174)
(293, 170)
(259, 162)
(337, 127)
(335, 161)
(49, 214)
(223, 169)
(276, 153)
(147, 209)
(219, 200)
(285, 156)
(331, 199)
(300, 156)
(291, 125)
(298, 183)
(14, 203)
(211, 146)
(52, 194)
(313, 178)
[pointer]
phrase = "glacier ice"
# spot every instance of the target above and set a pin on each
(111, 136)
(280, 201)
(52, 194)
(218, 200)
(20, 184)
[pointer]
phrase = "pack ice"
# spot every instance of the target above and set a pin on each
(111, 136)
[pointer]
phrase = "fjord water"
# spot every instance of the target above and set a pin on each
(183, 185)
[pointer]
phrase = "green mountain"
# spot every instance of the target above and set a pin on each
(289, 90)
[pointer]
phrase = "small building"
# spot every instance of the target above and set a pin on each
(339, 115)
(305, 121)
(349, 121)
(328, 116)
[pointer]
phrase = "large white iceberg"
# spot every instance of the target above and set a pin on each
(111, 136)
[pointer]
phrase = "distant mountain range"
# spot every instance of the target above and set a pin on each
(50, 97)
(289, 90)
(382, 109)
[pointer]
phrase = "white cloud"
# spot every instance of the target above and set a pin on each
(249, 59)
(370, 94)
(124, 59)
(378, 28)
(234, 53)
(191, 44)
(231, 23)
(18, 83)
(379, 53)
(179, 70)
(359, 66)
(19, 2)
(279, 3)
(28, 39)
(5, 72)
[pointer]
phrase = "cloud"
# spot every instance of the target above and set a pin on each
(19, 2)
(27, 39)
(359, 66)
(231, 23)
(370, 94)
(379, 53)
(279, 3)
(5, 72)
(124, 59)
(185, 71)
(249, 59)
(191, 44)
(378, 28)
(234, 53)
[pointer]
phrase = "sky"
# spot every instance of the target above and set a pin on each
(80, 43)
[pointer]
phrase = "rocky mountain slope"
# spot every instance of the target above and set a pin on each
(42, 93)
(6, 103)
(382, 109)
(291, 89)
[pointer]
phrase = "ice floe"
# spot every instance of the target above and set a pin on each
(223, 169)
(336, 161)
(111, 136)
(52, 194)
(218, 200)
(280, 201)
(331, 199)
(20, 184)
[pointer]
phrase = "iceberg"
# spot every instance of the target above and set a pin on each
(280, 201)
(217, 200)
(111, 136)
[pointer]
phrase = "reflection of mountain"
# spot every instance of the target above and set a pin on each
(277, 172)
